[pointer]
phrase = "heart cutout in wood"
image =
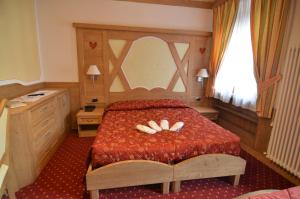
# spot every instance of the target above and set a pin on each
(202, 50)
(93, 44)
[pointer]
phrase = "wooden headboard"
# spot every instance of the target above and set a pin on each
(140, 63)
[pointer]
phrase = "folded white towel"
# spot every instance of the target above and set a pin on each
(177, 126)
(145, 129)
(154, 125)
(164, 124)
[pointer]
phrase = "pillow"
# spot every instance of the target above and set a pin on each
(146, 104)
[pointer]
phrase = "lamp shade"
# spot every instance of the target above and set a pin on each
(203, 73)
(93, 70)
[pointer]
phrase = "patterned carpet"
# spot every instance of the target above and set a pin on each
(63, 178)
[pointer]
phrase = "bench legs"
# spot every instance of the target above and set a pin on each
(165, 187)
(176, 186)
(235, 180)
(94, 194)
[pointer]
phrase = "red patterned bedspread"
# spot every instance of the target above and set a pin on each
(291, 193)
(117, 139)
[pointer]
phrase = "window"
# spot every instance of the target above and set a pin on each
(235, 79)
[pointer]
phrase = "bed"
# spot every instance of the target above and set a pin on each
(290, 193)
(122, 156)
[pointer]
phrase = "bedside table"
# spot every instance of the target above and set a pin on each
(88, 122)
(207, 112)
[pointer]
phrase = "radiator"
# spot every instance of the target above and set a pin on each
(284, 145)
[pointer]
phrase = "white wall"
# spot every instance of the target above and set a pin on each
(57, 36)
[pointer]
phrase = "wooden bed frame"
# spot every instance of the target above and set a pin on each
(93, 47)
(142, 172)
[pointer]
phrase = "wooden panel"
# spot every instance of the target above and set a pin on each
(129, 173)
(88, 35)
(187, 3)
(207, 166)
(142, 29)
(263, 134)
(240, 121)
(253, 131)
(15, 90)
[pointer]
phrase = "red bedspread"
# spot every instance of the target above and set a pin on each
(291, 193)
(117, 139)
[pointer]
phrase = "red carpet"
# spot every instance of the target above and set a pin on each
(63, 177)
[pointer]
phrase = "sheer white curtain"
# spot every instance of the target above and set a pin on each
(235, 78)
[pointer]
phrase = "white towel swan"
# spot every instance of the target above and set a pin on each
(154, 125)
(164, 124)
(145, 129)
(177, 126)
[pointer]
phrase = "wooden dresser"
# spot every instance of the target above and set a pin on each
(36, 130)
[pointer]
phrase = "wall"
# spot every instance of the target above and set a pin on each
(57, 36)
(18, 38)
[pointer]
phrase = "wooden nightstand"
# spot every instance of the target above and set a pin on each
(88, 122)
(208, 112)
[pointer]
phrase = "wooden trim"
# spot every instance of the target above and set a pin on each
(218, 2)
(2, 105)
(140, 172)
(11, 91)
(180, 67)
(209, 166)
(262, 158)
(142, 29)
(238, 111)
(117, 63)
(186, 3)
(129, 173)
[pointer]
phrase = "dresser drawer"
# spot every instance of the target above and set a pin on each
(45, 155)
(43, 141)
(40, 113)
(43, 126)
(89, 120)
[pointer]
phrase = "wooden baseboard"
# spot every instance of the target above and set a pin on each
(262, 158)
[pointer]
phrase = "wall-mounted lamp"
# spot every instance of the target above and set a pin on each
(93, 71)
(201, 75)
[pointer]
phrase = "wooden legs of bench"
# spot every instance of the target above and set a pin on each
(176, 186)
(235, 180)
(165, 187)
(94, 194)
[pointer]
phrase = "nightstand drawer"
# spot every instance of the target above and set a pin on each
(210, 116)
(88, 120)
(207, 112)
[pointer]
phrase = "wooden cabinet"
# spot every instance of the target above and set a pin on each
(36, 131)
(88, 122)
(208, 112)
